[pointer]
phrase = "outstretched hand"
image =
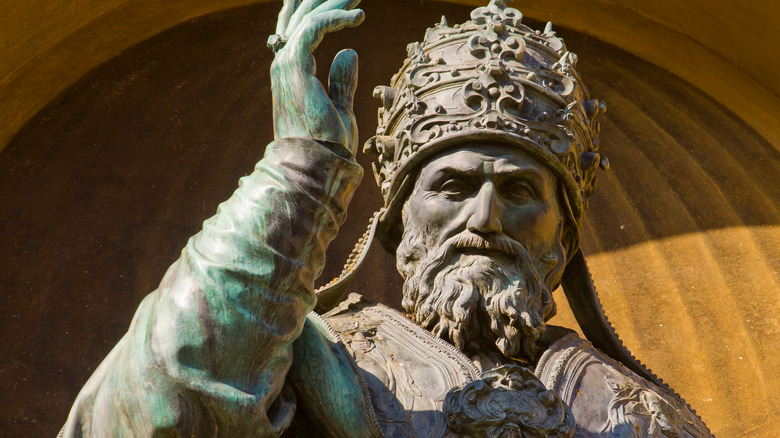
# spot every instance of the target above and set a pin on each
(302, 107)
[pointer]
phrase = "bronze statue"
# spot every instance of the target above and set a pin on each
(487, 153)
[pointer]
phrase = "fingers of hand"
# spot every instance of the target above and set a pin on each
(342, 81)
(285, 13)
(336, 4)
(317, 25)
(301, 12)
(350, 127)
(313, 7)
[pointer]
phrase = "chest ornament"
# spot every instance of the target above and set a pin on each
(508, 401)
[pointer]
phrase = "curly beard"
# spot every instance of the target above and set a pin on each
(473, 291)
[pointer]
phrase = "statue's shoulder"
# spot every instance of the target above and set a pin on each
(354, 302)
(608, 399)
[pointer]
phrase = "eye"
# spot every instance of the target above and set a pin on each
(518, 192)
(454, 187)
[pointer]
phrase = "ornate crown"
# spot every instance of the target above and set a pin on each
(491, 79)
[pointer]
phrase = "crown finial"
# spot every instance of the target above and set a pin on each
(500, 4)
(548, 30)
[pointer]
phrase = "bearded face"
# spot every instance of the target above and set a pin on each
(466, 278)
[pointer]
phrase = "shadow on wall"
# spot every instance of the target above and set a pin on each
(102, 188)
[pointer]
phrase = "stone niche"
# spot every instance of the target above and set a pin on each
(102, 186)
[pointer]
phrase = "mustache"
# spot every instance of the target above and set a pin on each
(493, 242)
(468, 240)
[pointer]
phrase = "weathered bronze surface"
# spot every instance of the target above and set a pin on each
(146, 146)
(486, 167)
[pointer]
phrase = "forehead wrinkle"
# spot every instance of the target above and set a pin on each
(452, 164)
(452, 168)
(492, 161)
(491, 167)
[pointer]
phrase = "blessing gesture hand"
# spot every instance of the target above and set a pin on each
(302, 107)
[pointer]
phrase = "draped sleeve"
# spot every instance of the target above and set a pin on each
(207, 353)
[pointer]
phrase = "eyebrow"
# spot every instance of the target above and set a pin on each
(455, 169)
(503, 170)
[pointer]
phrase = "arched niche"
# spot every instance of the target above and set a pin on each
(134, 142)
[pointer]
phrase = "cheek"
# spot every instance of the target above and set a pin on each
(531, 224)
(433, 213)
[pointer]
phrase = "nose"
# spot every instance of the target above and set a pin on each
(485, 217)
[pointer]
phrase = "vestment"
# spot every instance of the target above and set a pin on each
(207, 352)
(407, 372)
(224, 346)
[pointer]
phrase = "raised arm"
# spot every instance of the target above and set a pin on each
(207, 353)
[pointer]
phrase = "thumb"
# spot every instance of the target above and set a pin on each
(342, 81)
